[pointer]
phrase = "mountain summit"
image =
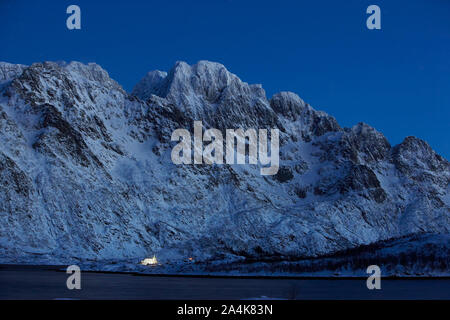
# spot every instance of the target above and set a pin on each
(86, 172)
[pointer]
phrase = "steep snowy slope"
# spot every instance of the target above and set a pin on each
(86, 171)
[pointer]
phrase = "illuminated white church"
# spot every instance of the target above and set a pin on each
(149, 261)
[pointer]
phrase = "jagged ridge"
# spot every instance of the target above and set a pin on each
(86, 171)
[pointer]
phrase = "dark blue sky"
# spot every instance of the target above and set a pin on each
(396, 79)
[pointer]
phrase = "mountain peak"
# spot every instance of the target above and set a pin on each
(9, 71)
(205, 79)
(288, 104)
(149, 84)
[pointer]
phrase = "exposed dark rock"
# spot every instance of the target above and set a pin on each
(284, 174)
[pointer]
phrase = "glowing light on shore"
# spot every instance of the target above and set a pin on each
(149, 261)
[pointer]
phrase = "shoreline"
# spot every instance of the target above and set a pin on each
(61, 268)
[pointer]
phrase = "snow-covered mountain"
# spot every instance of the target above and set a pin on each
(86, 172)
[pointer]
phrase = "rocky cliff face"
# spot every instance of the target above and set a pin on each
(86, 172)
